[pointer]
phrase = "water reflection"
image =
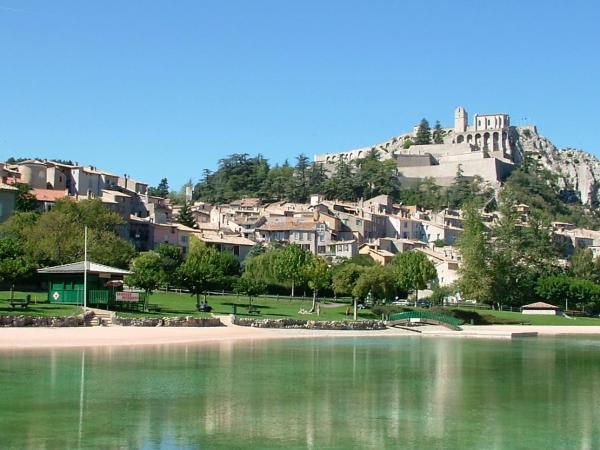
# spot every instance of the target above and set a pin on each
(348, 393)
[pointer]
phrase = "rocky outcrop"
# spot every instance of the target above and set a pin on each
(34, 321)
(186, 321)
(309, 324)
(578, 172)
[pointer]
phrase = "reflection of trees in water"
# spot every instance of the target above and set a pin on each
(421, 392)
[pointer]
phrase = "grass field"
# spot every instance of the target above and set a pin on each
(535, 319)
(38, 306)
(174, 304)
(271, 308)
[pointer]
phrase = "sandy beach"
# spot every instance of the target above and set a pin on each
(23, 338)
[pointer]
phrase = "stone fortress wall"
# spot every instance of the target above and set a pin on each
(484, 148)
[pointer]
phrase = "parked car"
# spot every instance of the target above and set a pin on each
(401, 303)
(423, 304)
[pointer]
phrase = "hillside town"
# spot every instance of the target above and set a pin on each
(377, 227)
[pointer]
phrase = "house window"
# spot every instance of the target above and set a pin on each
(321, 249)
(358, 222)
(321, 237)
(405, 224)
(300, 236)
(172, 230)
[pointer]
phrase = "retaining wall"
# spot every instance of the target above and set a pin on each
(310, 324)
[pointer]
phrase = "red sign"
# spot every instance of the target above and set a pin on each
(127, 296)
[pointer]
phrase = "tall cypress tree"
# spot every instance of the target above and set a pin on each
(185, 216)
(438, 133)
(423, 136)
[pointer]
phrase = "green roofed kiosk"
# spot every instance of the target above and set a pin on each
(104, 285)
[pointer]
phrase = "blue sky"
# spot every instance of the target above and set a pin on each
(166, 88)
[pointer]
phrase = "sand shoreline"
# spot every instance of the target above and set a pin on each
(40, 338)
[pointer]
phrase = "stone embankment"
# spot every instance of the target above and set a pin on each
(309, 324)
(168, 321)
(33, 321)
(85, 320)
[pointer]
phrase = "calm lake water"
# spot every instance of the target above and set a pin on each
(346, 393)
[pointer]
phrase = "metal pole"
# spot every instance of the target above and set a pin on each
(85, 268)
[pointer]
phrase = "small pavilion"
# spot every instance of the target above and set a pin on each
(541, 308)
(65, 283)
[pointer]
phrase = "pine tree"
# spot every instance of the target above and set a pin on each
(185, 216)
(438, 133)
(423, 136)
(476, 277)
(162, 190)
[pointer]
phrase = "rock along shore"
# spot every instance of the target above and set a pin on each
(309, 324)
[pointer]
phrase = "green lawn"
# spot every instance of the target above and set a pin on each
(284, 307)
(535, 319)
(173, 304)
(38, 307)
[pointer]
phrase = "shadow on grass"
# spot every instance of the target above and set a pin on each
(246, 305)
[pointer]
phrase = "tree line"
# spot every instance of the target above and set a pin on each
(279, 268)
(30, 239)
(240, 175)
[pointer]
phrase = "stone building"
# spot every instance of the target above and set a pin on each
(484, 149)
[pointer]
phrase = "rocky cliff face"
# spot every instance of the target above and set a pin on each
(578, 171)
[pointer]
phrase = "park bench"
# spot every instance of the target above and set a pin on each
(23, 303)
(204, 307)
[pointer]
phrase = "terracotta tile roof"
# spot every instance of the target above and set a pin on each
(115, 193)
(49, 195)
(288, 226)
(539, 305)
(247, 202)
(217, 238)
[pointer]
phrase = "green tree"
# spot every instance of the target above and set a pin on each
(413, 271)
(562, 290)
(583, 266)
(171, 258)
(520, 253)
(408, 144)
(14, 267)
(202, 270)
(344, 278)
(25, 199)
(425, 193)
(146, 273)
(316, 272)
(162, 190)
(264, 267)
(299, 188)
(290, 265)
(423, 135)
(278, 182)
(250, 286)
(376, 282)
(475, 275)
(185, 216)
(376, 177)
(343, 184)
(438, 133)
(256, 250)
(56, 237)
